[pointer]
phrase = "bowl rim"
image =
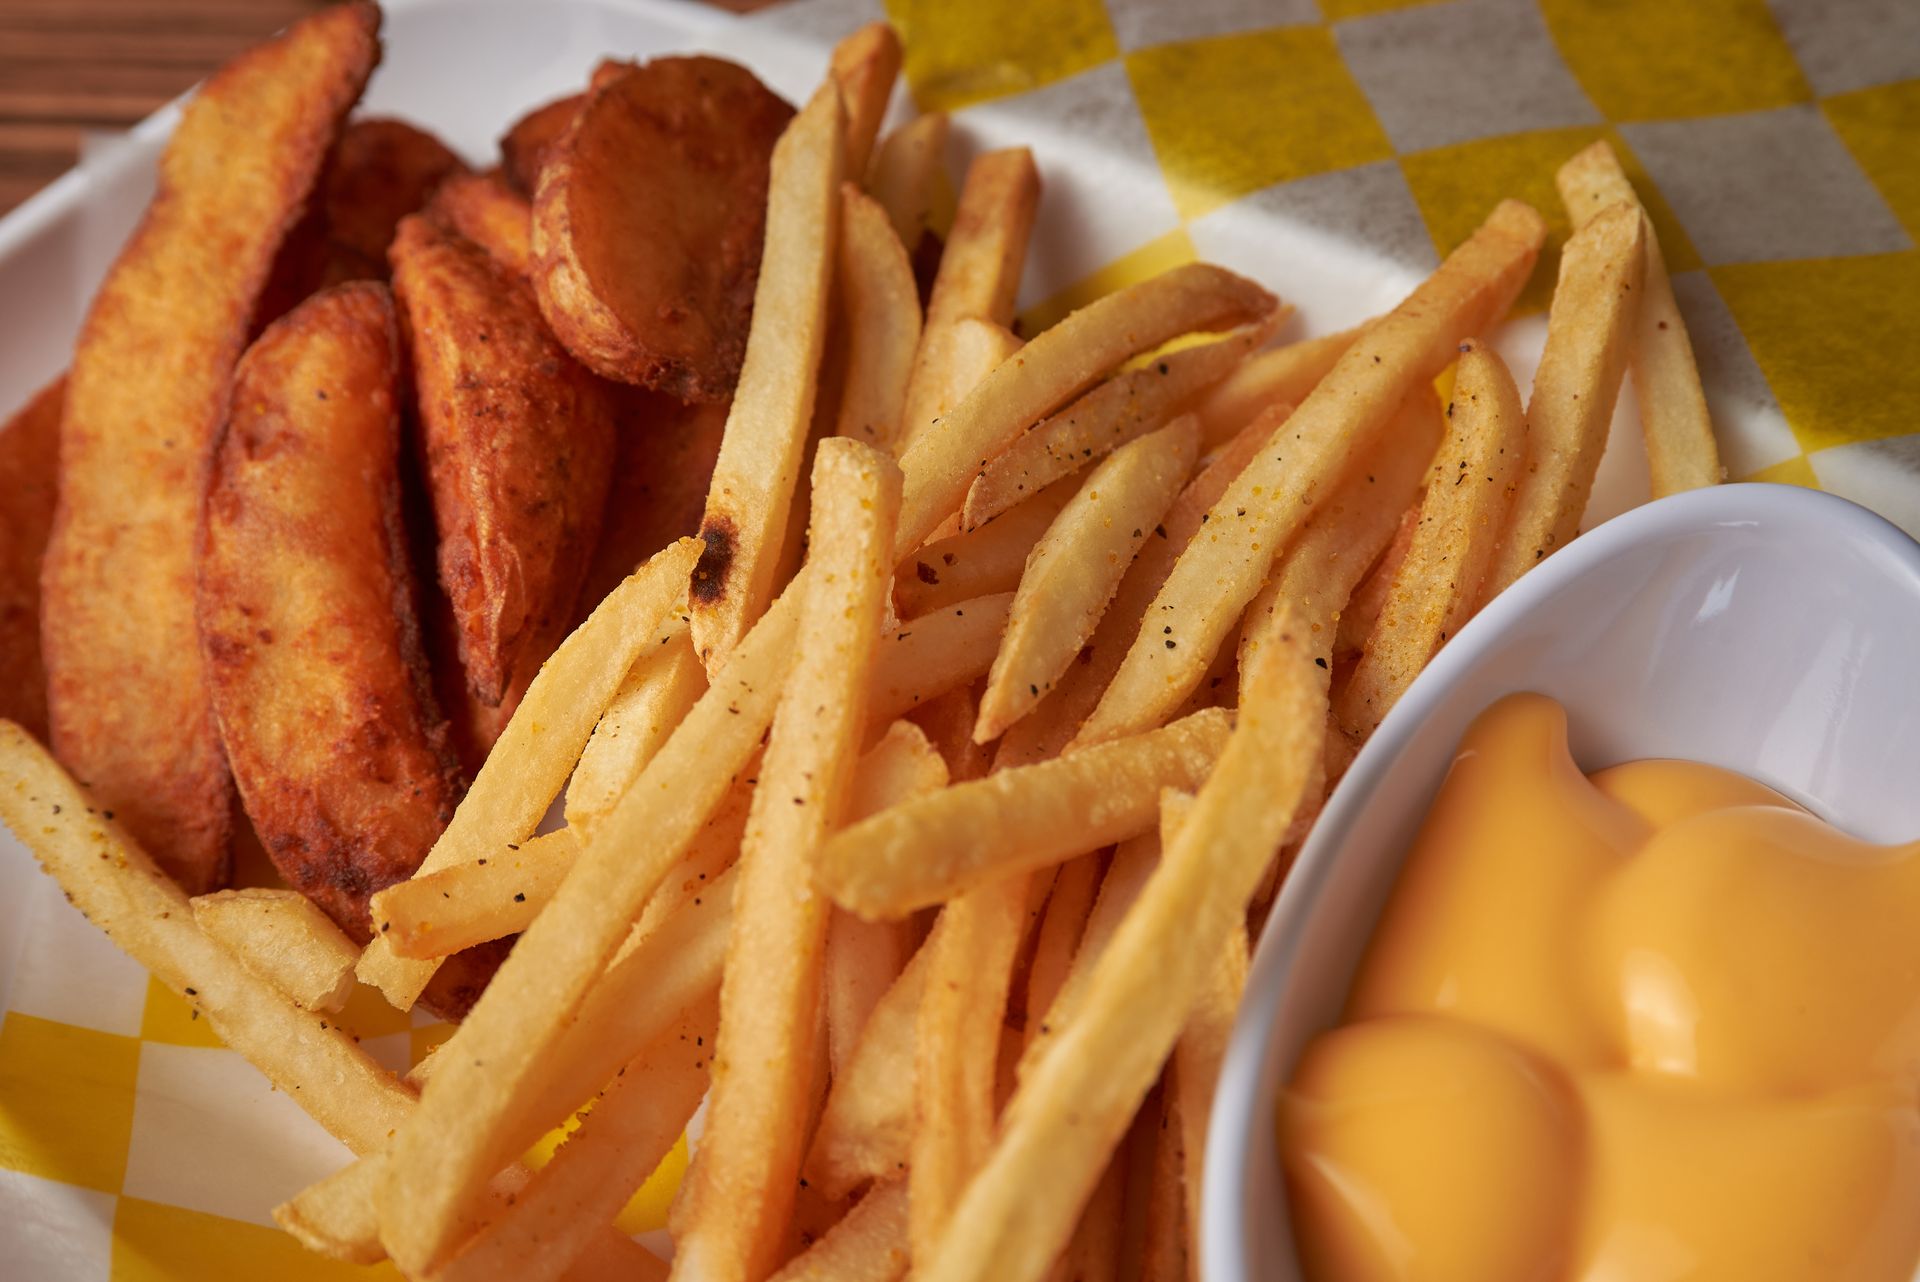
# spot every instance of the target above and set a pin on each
(1230, 1136)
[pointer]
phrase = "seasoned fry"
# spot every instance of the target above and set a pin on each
(29, 459)
(1681, 454)
(1067, 1117)
(127, 688)
(1124, 408)
(305, 489)
(1052, 369)
(122, 891)
(987, 560)
(648, 219)
(663, 684)
(927, 656)
(1370, 597)
(1197, 1057)
(745, 1175)
(761, 455)
(864, 66)
(1436, 587)
(881, 307)
(1074, 891)
(868, 1245)
(979, 276)
(1590, 326)
(1280, 376)
(283, 938)
(1073, 570)
(482, 208)
(442, 912)
(541, 743)
(517, 440)
(526, 144)
(662, 463)
(1216, 578)
(908, 173)
(932, 848)
(866, 1129)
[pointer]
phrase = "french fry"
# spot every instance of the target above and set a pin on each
(1216, 577)
(1052, 369)
(1437, 585)
(337, 1217)
(1093, 1253)
(530, 763)
(979, 276)
(1127, 406)
(865, 957)
(29, 459)
(126, 685)
(485, 210)
(927, 656)
(1068, 907)
(1280, 376)
(656, 694)
(283, 938)
(1197, 1057)
(469, 903)
(930, 849)
(865, 65)
(1067, 1117)
(1074, 569)
(120, 889)
(1166, 1256)
(881, 307)
(1590, 326)
(631, 1127)
(756, 1124)
(1681, 454)
(866, 1128)
(761, 453)
(908, 169)
(868, 1245)
(981, 561)
(1370, 597)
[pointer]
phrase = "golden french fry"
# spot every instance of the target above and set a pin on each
(866, 1128)
(865, 65)
(120, 889)
(1052, 369)
(908, 170)
(1434, 590)
(1590, 326)
(744, 1178)
(491, 897)
(337, 1216)
(1253, 521)
(1125, 407)
(932, 848)
(927, 656)
(1370, 597)
(1681, 454)
(281, 936)
(1165, 1256)
(1279, 376)
(978, 562)
(656, 694)
(979, 275)
(1068, 908)
(761, 454)
(1197, 1057)
(868, 1245)
(30, 460)
(881, 309)
(1074, 569)
(1348, 531)
(529, 765)
(1067, 1117)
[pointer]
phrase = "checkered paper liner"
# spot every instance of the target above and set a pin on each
(1333, 151)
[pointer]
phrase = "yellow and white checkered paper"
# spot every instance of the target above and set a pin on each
(1333, 150)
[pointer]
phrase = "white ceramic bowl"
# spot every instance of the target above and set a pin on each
(1764, 628)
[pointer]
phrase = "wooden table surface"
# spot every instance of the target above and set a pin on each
(68, 66)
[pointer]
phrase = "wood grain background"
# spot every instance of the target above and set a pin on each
(67, 66)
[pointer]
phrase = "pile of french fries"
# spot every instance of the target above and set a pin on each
(919, 811)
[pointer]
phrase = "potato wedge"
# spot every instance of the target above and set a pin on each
(321, 694)
(648, 219)
(381, 171)
(482, 208)
(281, 936)
(127, 689)
(527, 142)
(518, 441)
(30, 460)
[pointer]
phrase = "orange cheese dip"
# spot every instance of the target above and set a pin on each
(1657, 1023)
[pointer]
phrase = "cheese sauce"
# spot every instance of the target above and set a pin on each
(1652, 1025)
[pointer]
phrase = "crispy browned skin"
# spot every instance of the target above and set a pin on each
(29, 459)
(648, 219)
(482, 208)
(382, 171)
(306, 609)
(517, 441)
(127, 690)
(523, 148)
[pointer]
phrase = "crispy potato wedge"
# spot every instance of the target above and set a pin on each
(321, 694)
(482, 208)
(525, 146)
(648, 219)
(283, 937)
(381, 171)
(127, 689)
(29, 460)
(518, 441)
